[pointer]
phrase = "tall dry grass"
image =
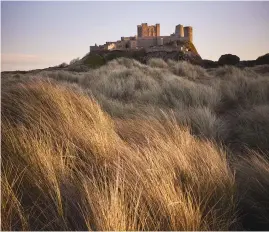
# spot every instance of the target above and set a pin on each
(208, 101)
(128, 146)
(253, 190)
(68, 166)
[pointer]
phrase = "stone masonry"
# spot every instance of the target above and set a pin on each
(148, 36)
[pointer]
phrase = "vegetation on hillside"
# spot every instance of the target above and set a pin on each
(97, 59)
(132, 146)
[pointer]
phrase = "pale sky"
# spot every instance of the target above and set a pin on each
(42, 34)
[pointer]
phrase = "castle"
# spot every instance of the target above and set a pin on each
(148, 36)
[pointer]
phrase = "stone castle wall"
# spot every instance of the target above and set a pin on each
(164, 49)
(146, 42)
(147, 36)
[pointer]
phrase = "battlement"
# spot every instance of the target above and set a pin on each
(147, 36)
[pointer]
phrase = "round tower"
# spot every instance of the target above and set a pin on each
(157, 29)
(179, 31)
(188, 33)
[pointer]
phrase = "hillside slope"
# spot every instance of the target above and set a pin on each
(97, 59)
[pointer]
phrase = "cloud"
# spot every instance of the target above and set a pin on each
(8, 58)
(19, 61)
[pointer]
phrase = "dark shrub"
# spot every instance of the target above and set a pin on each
(94, 60)
(209, 64)
(263, 59)
(62, 65)
(228, 59)
(74, 61)
(79, 68)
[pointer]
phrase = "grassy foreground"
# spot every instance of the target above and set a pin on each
(74, 159)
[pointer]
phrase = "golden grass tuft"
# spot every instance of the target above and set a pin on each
(68, 166)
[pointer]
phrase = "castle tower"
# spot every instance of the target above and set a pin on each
(157, 29)
(188, 33)
(179, 32)
(145, 31)
(139, 31)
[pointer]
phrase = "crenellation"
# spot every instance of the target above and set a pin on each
(148, 36)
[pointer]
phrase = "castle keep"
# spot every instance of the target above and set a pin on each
(148, 37)
(144, 30)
